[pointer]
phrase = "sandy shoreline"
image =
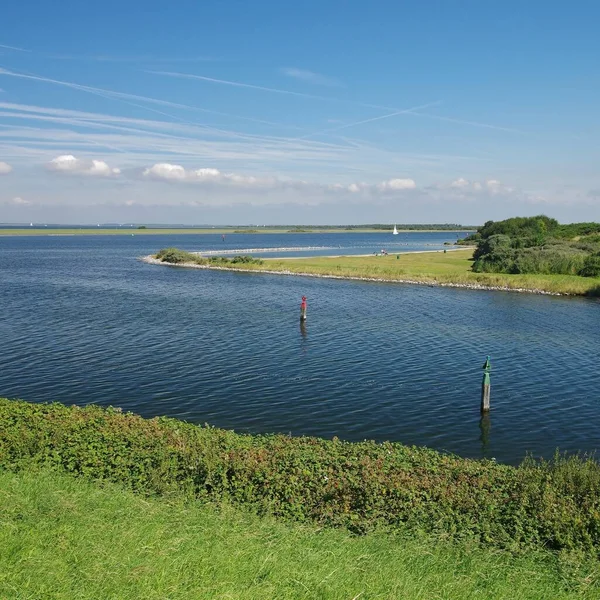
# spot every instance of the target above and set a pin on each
(431, 283)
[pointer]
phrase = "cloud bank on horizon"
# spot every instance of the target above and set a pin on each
(349, 124)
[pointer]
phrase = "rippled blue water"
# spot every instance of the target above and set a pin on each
(81, 321)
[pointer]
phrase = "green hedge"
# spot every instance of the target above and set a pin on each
(176, 256)
(356, 485)
(536, 245)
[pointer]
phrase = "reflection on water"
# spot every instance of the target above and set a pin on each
(485, 426)
(81, 321)
(303, 330)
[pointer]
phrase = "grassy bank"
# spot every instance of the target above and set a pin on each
(62, 538)
(452, 267)
(356, 486)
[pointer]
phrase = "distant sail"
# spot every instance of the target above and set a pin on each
(395, 230)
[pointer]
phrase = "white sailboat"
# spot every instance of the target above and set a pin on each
(395, 232)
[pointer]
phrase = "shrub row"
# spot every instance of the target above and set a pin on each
(176, 256)
(355, 485)
(500, 254)
(537, 245)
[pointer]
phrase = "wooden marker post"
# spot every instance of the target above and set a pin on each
(485, 386)
(303, 309)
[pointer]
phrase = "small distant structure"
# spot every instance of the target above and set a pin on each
(303, 307)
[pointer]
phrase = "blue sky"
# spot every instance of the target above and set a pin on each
(312, 112)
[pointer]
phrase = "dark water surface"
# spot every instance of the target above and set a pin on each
(82, 321)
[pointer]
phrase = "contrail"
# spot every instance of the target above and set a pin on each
(398, 112)
(473, 123)
(14, 48)
(269, 89)
(239, 84)
(329, 99)
(124, 97)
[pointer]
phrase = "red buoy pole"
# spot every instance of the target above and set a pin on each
(303, 309)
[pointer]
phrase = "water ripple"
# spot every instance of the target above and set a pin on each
(82, 321)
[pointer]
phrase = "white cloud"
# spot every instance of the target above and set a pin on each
(67, 163)
(20, 201)
(462, 186)
(169, 172)
(397, 184)
(179, 174)
(99, 167)
(460, 183)
(5, 168)
(166, 171)
(310, 77)
(354, 188)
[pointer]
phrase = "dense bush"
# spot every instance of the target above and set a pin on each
(520, 227)
(246, 260)
(469, 240)
(576, 230)
(551, 260)
(236, 260)
(536, 245)
(356, 485)
(176, 256)
(591, 266)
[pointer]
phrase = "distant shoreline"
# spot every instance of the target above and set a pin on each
(217, 231)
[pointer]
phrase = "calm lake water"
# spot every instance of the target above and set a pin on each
(83, 321)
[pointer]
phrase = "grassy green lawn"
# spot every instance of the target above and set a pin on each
(63, 538)
(430, 267)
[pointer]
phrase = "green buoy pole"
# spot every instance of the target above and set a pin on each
(485, 386)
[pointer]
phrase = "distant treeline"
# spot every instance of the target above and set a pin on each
(387, 226)
(377, 226)
(537, 245)
(255, 228)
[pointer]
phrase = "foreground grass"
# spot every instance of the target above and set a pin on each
(362, 487)
(452, 267)
(65, 538)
